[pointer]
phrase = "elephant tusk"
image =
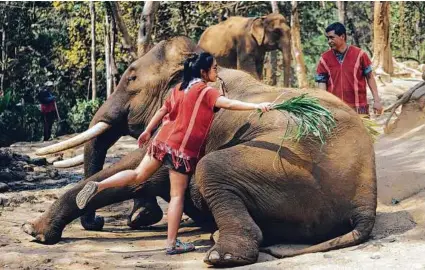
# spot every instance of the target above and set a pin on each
(81, 138)
(71, 162)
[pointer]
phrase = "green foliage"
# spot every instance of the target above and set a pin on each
(18, 122)
(313, 41)
(81, 114)
(5, 101)
(408, 30)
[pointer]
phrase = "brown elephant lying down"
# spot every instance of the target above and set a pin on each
(324, 195)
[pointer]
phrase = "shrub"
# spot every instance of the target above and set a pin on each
(17, 122)
(81, 114)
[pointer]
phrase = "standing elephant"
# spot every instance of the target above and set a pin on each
(241, 43)
(255, 190)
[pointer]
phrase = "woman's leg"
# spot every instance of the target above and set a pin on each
(178, 183)
(147, 167)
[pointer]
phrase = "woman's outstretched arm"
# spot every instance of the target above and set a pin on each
(237, 105)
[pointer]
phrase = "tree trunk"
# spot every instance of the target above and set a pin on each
(183, 17)
(273, 54)
(341, 10)
(300, 68)
(127, 40)
(275, 7)
(3, 50)
(354, 33)
(267, 69)
(107, 27)
(93, 50)
(146, 26)
(402, 29)
(113, 35)
(382, 56)
(3, 60)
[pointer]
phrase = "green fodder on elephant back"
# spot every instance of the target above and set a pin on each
(310, 117)
(81, 114)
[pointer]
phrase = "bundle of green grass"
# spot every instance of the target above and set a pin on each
(310, 117)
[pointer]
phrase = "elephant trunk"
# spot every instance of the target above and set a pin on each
(285, 47)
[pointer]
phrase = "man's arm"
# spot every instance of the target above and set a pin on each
(322, 75)
(321, 85)
(377, 106)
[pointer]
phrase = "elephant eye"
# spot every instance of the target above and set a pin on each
(131, 78)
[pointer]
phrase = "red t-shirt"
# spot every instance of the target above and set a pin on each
(186, 126)
(346, 80)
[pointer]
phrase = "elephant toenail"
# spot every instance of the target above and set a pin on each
(214, 255)
(228, 256)
(41, 238)
(135, 215)
(28, 228)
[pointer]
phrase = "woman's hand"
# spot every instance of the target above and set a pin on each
(143, 138)
(264, 107)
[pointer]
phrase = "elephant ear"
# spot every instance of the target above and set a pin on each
(257, 30)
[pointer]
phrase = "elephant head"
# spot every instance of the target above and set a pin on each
(271, 32)
(140, 92)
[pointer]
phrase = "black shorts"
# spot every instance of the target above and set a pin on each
(167, 161)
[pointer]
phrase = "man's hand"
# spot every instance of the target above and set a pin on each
(143, 138)
(377, 107)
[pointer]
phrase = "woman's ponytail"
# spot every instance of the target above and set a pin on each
(188, 71)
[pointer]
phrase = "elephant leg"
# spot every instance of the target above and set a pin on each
(94, 159)
(240, 236)
(146, 211)
(49, 226)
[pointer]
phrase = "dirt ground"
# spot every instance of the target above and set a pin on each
(397, 241)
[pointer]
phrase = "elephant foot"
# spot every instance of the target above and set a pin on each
(91, 222)
(42, 232)
(225, 256)
(236, 248)
(144, 214)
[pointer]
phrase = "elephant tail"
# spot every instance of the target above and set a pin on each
(359, 234)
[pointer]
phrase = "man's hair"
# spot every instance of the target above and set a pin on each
(338, 27)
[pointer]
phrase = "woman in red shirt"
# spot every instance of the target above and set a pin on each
(186, 120)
